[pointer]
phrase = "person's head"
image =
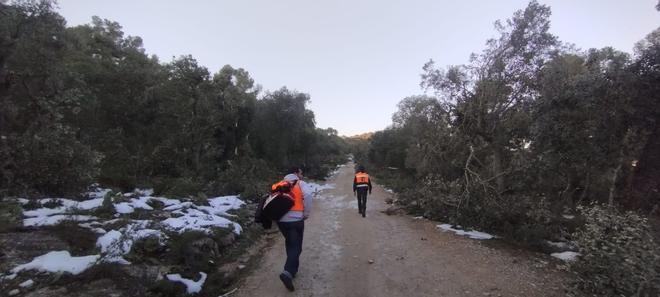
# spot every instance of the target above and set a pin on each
(361, 168)
(296, 170)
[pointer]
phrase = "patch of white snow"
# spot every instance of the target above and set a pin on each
(58, 261)
(566, 256)
(192, 287)
(471, 234)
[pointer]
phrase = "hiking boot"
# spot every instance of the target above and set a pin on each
(286, 280)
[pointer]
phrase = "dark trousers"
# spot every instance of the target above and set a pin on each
(293, 239)
(362, 199)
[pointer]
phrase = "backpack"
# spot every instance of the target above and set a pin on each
(273, 206)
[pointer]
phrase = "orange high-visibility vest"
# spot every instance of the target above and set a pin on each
(296, 194)
(361, 178)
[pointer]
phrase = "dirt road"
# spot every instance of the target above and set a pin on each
(410, 257)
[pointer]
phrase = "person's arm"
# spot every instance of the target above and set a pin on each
(369, 185)
(354, 184)
(307, 202)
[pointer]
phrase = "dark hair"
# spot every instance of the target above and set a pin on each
(294, 169)
(361, 168)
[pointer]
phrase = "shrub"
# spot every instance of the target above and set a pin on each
(107, 208)
(80, 240)
(10, 216)
(50, 162)
(618, 254)
(178, 187)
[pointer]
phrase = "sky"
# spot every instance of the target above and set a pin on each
(356, 59)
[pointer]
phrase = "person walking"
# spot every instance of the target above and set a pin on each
(292, 225)
(361, 185)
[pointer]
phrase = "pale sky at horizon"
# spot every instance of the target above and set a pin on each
(356, 59)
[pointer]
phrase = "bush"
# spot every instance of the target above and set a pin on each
(618, 254)
(107, 209)
(178, 187)
(248, 176)
(50, 162)
(193, 250)
(10, 216)
(81, 241)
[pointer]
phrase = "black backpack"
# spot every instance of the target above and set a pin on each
(273, 206)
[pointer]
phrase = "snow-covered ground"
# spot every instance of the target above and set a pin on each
(59, 261)
(314, 188)
(181, 215)
(113, 243)
(471, 234)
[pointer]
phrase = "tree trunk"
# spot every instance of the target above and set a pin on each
(613, 178)
(497, 170)
(646, 180)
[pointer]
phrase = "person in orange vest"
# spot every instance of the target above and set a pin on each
(361, 184)
(292, 225)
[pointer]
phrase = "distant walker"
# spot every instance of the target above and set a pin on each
(361, 185)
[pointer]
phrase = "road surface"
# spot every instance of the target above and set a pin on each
(382, 255)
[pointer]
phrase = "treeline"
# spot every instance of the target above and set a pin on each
(85, 104)
(528, 132)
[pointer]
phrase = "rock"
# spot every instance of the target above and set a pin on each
(14, 292)
(227, 240)
(198, 252)
(371, 261)
(424, 238)
(241, 267)
(145, 272)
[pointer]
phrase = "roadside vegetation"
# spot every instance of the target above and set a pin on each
(539, 142)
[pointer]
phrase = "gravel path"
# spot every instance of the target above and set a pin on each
(380, 255)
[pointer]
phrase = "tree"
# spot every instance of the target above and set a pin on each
(40, 152)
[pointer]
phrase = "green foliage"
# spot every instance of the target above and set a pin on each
(186, 251)
(178, 187)
(81, 241)
(40, 152)
(10, 216)
(86, 103)
(107, 209)
(526, 132)
(619, 256)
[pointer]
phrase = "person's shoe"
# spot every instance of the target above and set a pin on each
(286, 280)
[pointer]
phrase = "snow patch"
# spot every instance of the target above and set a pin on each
(8, 277)
(566, 256)
(124, 208)
(144, 192)
(471, 234)
(314, 187)
(97, 192)
(58, 261)
(26, 284)
(192, 287)
(193, 219)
